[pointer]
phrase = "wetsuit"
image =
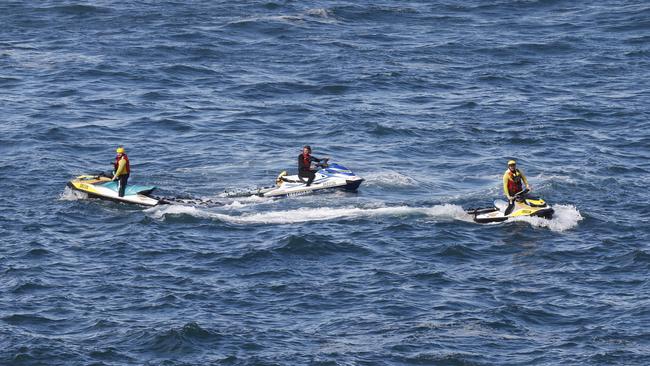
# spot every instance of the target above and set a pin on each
(122, 172)
(512, 182)
(304, 168)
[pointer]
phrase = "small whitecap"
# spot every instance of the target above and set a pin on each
(389, 178)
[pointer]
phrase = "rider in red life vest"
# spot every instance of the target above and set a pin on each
(512, 180)
(121, 171)
(304, 165)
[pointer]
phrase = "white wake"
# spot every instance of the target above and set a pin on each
(565, 217)
(69, 194)
(446, 211)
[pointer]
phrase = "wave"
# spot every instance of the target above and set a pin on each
(458, 251)
(316, 15)
(159, 124)
(178, 340)
(273, 88)
(111, 354)
(79, 9)
(36, 253)
(286, 248)
(316, 246)
(321, 13)
(555, 178)
(381, 130)
(30, 287)
(550, 182)
(189, 70)
(28, 320)
(442, 358)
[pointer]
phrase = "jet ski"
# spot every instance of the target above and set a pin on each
(522, 205)
(101, 186)
(328, 176)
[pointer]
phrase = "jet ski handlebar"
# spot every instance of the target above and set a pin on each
(102, 174)
(519, 195)
(323, 163)
(522, 192)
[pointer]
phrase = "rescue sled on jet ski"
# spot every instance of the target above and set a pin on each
(328, 177)
(521, 206)
(101, 186)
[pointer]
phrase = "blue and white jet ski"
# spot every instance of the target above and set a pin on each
(329, 176)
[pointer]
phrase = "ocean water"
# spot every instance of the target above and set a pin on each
(426, 100)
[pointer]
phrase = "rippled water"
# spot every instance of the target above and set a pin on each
(425, 100)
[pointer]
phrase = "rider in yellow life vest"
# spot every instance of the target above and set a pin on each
(121, 170)
(512, 180)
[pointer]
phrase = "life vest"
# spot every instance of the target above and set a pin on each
(514, 183)
(306, 161)
(127, 168)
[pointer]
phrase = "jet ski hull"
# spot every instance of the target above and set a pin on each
(546, 213)
(297, 189)
(104, 188)
(352, 185)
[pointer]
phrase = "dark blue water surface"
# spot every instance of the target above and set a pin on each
(426, 100)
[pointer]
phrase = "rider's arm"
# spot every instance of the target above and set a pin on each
(523, 178)
(505, 185)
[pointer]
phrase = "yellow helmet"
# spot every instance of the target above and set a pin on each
(120, 150)
(512, 162)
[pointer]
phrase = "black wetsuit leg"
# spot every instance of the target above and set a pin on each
(123, 179)
(309, 175)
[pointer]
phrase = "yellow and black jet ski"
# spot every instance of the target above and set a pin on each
(521, 205)
(101, 186)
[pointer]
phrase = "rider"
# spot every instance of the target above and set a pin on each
(512, 180)
(304, 165)
(121, 170)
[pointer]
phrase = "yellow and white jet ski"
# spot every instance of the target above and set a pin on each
(101, 186)
(522, 205)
